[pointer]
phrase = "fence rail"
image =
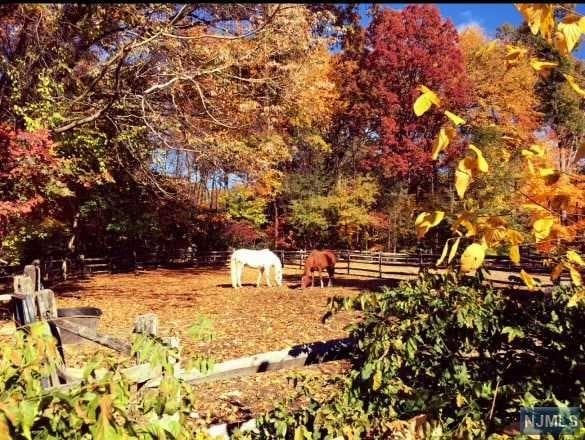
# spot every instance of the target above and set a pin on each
(385, 265)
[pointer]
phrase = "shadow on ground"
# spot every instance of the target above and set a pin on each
(359, 284)
(71, 288)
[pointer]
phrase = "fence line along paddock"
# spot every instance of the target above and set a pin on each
(383, 265)
(32, 303)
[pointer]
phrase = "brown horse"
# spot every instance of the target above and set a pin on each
(319, 260)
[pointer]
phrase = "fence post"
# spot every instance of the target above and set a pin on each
(64, 269)
(348, 260)
(380, 264)
(282, 258)
(82, 263)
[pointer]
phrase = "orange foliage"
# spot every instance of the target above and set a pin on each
(504, 93)
(560, 196)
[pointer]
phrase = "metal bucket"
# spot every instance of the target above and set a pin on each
(86, 316)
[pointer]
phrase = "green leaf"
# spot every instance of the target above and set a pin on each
(28, 413)
(513, 333)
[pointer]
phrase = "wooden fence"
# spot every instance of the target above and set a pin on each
(30, 302)
(382, 265)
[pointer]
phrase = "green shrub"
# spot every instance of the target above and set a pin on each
(462, 355)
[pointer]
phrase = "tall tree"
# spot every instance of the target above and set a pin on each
(401, 51)
(503, 93)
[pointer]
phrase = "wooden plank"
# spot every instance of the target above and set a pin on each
(93, 335)
(147, 324)
(23, 285)
(136, 374)
(226, 430)
(297, 356)
(33, 271)
(47, 306)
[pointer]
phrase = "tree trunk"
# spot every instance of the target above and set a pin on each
(275, 224)
(74, 229)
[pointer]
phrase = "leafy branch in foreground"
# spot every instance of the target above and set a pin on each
(102, 406)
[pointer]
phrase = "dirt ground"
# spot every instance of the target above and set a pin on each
(245, 322)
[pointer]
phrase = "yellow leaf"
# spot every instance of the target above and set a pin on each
(460, 400)
(513, 54)
(443, 254)
(574, 85)
(582, 24)
(421, 105)
(454, 250)
(575, 276)
(515, 254)
(471, 231)
(544, 172)
(463, 176)
(528, 280)
(424, 101)
(465, 221)
(377, 382)
(425, 221)
(538, 150)
(556, 272)
(571, 32)
(540, 17)
(576, 298)
(440, 144)
(432, 95)
(539, 65)
(560, 43)
(514, 237)
(472, 257)
(574, 257)
(482, 165)
(454, 118)
(542, 228)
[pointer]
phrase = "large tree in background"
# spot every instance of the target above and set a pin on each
(379, 72)
(402, 50)
(562, 111)
(503, 94)
(198, 92)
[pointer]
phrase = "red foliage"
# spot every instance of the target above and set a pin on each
(402, 50)
(26, 163)
(241, 233)
(286, 239)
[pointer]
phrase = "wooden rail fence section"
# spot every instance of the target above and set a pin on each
(30, 304)
(382, 265)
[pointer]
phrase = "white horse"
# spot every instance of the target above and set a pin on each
(262, 260)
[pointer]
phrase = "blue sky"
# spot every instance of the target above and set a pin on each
(487, 15)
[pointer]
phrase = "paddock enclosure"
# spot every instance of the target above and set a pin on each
(245, 322)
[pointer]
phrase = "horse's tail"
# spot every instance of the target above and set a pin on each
(234, 270)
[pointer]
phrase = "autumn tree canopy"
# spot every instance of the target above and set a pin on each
(402, 50)
(157, 126)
